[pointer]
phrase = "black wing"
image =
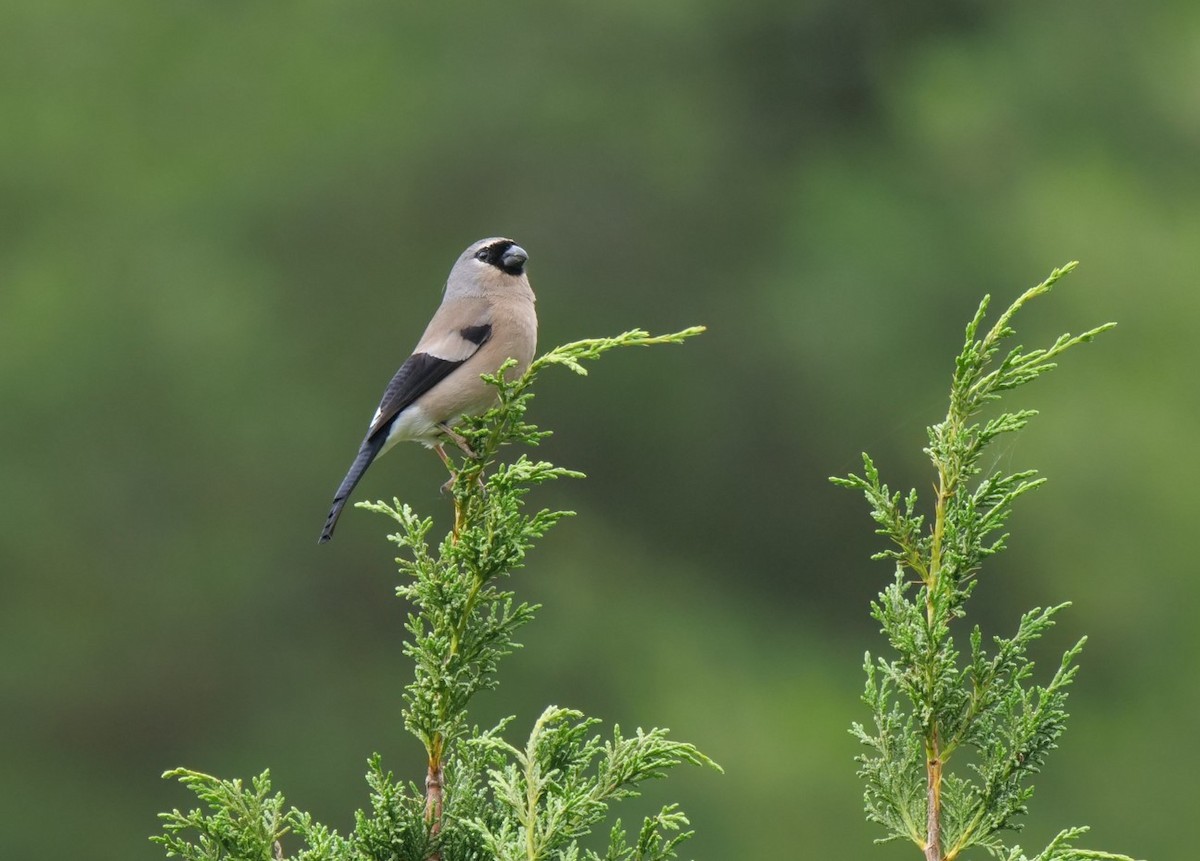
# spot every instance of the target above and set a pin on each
(420, 373)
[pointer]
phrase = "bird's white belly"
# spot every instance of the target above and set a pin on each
(412, 424)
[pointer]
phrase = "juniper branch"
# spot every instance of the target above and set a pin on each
(988, 703)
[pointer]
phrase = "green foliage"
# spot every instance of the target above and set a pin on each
(483, 798)
(560, 785)
(240, 822)
(930, 701)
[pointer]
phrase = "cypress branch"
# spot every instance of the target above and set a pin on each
(930, 701)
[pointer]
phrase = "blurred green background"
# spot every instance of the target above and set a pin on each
(223, 225)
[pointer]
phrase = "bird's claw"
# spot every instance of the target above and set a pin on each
(459, 440)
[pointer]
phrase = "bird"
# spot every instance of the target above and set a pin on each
(487, 316)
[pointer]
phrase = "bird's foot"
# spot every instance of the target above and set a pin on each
(441, 452)
(458, 439)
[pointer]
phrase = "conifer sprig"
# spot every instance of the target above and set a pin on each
(565, 778)
(483, 799)
(929, 701)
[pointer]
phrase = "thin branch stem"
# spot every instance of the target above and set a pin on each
(933, 825)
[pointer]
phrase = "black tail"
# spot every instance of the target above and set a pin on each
(366, 453)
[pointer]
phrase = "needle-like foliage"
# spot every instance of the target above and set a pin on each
(936, 698)
(483, 798)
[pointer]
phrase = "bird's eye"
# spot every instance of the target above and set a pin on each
(481, 254)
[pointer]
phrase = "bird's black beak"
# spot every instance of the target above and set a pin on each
(514, 259)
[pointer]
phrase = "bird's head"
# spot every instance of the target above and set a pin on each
(489, 265)
(498, 253)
